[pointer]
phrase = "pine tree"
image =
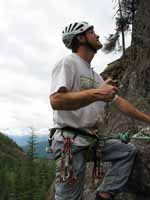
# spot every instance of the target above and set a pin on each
(31, 154)
(32, 142)
(129, 8)
(126, 10)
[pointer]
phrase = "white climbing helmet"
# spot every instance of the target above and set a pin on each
(72, 30)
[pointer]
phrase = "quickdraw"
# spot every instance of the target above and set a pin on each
(98, 168)
(66, 168)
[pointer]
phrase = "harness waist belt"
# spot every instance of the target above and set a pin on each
(82, 132)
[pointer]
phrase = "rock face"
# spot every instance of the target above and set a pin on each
(133, 73)
(133, 69)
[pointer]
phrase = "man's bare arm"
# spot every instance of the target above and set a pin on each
(68, 100)
(128, 109)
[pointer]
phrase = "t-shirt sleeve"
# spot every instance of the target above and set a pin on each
(62, 76)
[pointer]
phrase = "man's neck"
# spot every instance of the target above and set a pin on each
(86, 54)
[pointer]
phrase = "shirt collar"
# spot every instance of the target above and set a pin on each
(87, 64)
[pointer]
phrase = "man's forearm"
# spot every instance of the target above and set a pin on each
(128, 109)
(72, 100)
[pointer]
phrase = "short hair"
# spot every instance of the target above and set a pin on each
(75, 42)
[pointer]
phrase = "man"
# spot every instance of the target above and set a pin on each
(78, 96)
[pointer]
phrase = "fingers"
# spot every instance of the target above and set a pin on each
(107, 90)
(114, 89)
(113, 84)
(108, 81)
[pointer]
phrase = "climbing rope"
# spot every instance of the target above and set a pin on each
(126, 137)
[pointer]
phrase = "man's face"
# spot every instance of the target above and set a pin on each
(93, 39)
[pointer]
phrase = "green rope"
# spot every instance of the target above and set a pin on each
(125, 137)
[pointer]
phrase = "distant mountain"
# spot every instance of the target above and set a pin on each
(22, 140)
(9, 151)
(21, 136)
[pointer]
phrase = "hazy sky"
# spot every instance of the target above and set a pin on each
(30, 44)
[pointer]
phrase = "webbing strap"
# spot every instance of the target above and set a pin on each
(80, 132)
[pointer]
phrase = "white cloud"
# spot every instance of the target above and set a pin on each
(31, 43)
(25, 131)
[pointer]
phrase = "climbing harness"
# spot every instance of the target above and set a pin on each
(98, 172)
(97, 144)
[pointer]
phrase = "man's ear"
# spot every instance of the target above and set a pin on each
(81, 38)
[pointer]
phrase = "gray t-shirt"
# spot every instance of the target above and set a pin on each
(75, 74)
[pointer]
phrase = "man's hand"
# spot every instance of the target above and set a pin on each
(107, 90)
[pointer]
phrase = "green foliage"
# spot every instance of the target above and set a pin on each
(24, 182)
(26, 178)
(10, 153)
(129, 8)
(122, 24)
(40, 149)
(31, 152)
(111, 42)
(5, 140)
(125, 14)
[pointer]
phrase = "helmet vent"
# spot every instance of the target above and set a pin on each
(79, 27)
(74, 26)
(69, 27)
(66, 29)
